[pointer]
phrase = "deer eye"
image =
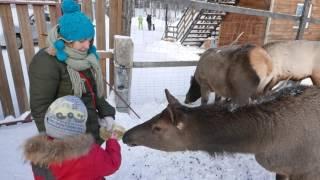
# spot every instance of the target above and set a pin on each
(156, 129)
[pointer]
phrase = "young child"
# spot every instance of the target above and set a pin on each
(64, 151)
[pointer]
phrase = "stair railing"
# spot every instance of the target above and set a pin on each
(177, 31)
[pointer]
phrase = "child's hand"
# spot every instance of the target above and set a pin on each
(116, 132)
(104, 133)
(113, 136)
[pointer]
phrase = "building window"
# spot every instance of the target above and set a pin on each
(299, 12)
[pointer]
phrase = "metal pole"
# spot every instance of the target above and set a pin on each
(303, 19)
(117, 94)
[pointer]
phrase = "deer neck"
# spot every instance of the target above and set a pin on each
(245, 131)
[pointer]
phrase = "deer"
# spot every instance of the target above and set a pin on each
(283, 132)
(248, 71)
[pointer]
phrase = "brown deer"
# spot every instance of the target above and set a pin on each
(283, 133)
(241, 72)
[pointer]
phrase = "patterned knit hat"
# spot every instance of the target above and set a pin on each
(66, 116)
(73, 26)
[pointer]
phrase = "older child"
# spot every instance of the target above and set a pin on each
(70, 66)
(64, 151)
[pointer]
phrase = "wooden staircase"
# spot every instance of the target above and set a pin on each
(195, 26)
(205, 24)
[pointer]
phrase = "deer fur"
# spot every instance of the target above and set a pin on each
(241, 72)
(283, 133)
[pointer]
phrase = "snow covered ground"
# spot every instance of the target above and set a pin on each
(148, 99)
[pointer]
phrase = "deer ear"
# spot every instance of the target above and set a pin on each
(171, 100)
(175, 116)
(171, 113)
(173, 108)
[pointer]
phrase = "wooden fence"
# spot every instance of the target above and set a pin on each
(39, 9)
(115, 28)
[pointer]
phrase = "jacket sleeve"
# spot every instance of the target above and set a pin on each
(104, 108)
(108, 160)
(44, 82)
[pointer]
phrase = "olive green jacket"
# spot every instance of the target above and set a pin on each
(49, 80)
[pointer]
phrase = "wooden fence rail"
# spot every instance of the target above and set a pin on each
(155, 64)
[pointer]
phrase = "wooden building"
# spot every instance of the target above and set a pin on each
(259, 30)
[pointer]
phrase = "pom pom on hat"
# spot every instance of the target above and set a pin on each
(59, 46)
(70, 6)
(93, 50)
(66, 116)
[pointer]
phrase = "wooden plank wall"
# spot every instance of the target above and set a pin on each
(284, 29)
(54, 10)
(14, 58)
(252, 26)
(15, 61)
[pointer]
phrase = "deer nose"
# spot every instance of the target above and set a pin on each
(127, 140)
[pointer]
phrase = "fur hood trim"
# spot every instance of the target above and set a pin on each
(42, 151)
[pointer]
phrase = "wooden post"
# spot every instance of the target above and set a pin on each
(87, 8)
(303, 19)
(101, 34)
(123, 61)
(55, 12)
(25, 32)
(115, 22)
(41, 24)
(5, 96)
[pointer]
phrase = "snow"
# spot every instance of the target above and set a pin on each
(148, 99)
(12, 118)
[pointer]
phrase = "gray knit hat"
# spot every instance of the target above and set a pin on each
(66, 116)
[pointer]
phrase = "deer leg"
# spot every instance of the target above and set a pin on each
(315, 77)
(281, 177)
(217, 98)
(204, 95)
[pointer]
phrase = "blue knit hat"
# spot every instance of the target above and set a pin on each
(73, 26)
